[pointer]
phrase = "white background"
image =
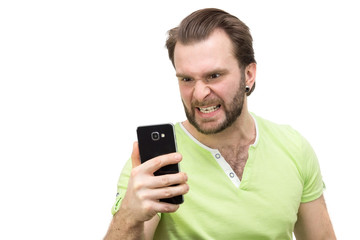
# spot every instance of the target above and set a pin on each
(77, 77)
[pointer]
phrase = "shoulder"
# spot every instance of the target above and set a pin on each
(279, 132)
(287, 139)
(184, 137)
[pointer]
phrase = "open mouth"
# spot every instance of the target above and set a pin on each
(209, 109)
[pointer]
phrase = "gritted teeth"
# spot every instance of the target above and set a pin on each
(209, 109)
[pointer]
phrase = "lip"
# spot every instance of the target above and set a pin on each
(211, 111)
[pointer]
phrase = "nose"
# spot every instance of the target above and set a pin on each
(201, 90)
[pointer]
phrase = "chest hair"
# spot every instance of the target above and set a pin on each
(236, 158)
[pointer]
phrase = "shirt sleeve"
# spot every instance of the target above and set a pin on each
(122, 186)
(312, 179)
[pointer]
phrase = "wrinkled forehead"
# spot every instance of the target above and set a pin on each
(215, 52)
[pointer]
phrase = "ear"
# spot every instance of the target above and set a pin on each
(250, 75)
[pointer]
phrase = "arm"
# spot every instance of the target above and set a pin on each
(141, 230)
(137, 217)
(314, 221)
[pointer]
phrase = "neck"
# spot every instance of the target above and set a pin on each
(241, 133)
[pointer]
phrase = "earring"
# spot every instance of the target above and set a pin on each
(247, 89)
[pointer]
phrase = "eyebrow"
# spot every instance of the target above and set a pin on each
(181, 75)
(206, 74)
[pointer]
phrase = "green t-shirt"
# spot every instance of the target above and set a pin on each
(281, 172)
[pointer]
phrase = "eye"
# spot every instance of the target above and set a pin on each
(185, 79)
(214, 75)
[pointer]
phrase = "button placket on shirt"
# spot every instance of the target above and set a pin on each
(227, 170)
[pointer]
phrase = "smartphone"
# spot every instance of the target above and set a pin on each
(156, 140)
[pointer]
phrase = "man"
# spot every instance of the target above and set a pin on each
(243, 177)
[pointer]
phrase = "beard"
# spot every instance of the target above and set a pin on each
(232, 111)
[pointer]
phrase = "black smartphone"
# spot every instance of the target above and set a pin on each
(156, 140)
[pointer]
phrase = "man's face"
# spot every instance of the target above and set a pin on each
(211, 84)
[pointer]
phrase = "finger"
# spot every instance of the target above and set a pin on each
(156, 163)
(162, 207)
(167, 180)
(135, 155)
(168, 192)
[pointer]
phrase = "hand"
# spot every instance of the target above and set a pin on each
(141, 200)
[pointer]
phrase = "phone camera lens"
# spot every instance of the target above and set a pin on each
(155, 136)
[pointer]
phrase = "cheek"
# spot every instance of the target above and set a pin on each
(227, 91)
(185, 94)
(224, 90)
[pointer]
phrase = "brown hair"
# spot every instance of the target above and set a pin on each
(200, 24)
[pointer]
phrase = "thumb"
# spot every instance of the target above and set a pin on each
(135, 155)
